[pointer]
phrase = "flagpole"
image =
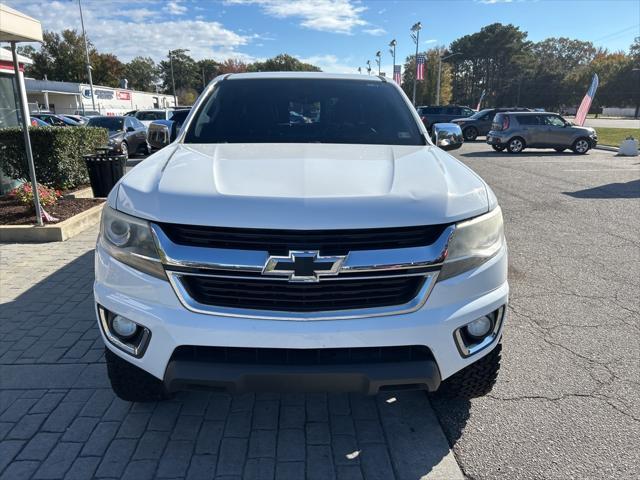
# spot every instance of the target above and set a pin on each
(416, 29)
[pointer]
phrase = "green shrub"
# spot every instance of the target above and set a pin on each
(57, 153)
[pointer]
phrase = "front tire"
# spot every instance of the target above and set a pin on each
(473, 381)
(470, 134)
(498, 148)
(581, 146)
(124, 150)
(516, 145)
(131, 383)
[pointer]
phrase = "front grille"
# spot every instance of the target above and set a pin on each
(307, 356)
(280, 295)
(280, 242)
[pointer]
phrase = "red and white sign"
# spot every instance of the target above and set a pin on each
(123, 95)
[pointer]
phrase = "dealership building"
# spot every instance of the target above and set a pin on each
(75, 98)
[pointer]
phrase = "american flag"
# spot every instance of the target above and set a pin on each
(420, 61)
(581, 116)
(397, 77)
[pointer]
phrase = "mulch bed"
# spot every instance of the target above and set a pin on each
(14, 213)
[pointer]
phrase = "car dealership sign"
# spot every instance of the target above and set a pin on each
(99, 93)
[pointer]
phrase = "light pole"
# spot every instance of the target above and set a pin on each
(392, 51)
(378, 60)
(415, 35)
(440, 58)
(86, 52)
(173, 80)
(369, 67)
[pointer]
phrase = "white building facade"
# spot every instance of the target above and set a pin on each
(75, 98)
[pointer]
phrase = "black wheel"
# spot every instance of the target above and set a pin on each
(146, 148)
(470, 134)
(476, 380)
(124, 149)
(515, 145)
(560, 149)
(131, 383)
(581, 146)
(498, 148)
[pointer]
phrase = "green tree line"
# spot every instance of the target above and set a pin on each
(499, 59)
(514, 71)
(62, 57)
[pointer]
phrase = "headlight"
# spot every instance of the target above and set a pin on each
(129, 240)
(474, 242)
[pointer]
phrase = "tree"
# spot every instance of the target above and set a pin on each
(142, 74)
(283, 63)
(61, 57)
(107, 70)
(209, 70)
(233, 65)
(426, 90)
(492, 59)
(545, 83)
(185, 71)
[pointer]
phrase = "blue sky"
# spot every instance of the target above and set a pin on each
(337, 35)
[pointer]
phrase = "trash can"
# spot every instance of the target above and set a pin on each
(105, 169)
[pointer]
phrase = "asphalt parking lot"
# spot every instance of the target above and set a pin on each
(567, 403)
(565, 406)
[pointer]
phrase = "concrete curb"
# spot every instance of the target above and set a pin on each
(84, 193)
(58, 232)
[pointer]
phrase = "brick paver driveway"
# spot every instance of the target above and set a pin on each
(59, 418)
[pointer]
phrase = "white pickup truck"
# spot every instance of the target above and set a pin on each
(303, 232)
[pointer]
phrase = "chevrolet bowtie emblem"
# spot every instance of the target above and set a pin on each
(303, 266)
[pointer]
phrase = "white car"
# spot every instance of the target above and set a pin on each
(148, 116)
(343, 253)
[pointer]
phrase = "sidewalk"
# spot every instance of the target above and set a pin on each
(59, 418)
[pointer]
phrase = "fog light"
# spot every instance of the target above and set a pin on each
(480, 327)
(123, 327)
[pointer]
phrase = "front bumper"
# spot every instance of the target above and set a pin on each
(153, 303)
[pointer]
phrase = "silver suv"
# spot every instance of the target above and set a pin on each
(516, 131)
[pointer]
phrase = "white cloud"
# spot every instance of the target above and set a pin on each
(337, 16)
(491, 2)
(431, 40)
(174, 7)
(331, 63)
(376, 32)
(127, 38)
(137, 14)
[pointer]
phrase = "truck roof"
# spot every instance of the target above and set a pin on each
(314, 75)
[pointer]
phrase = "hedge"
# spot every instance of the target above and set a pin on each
(57, 153)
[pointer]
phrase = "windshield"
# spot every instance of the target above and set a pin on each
(110, 123)
(304, 111)
(150, 116)
(480, 114)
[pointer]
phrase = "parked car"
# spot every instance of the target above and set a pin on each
(162, 132)
(54, 120)
(515, 131)
(76, 118)
(148, 116)
(87, 113)
(36, 122)
(348, 253)
(480, 122)
(442, 114)
(127, 135)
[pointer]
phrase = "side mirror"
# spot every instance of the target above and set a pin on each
(131, 129)
(447, 136)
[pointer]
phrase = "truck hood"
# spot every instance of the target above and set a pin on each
(302, 186)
